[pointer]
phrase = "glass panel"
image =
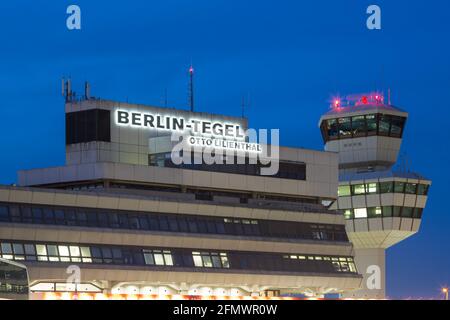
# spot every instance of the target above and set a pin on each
(344, 191)
(387, 211)
(207, 261)
(397, 211)
(148, 257)
(345, 128)
(348, 214)
(168, 259)
(399, 187)
(198, 261)
(422, 189)
(407, 212)
(159, 259)
(74, 251)
(359, 126)
(332, 129)
(397, 126)
(374, 212)
(371, 120)
(63, 251)
(386, 187)
(358, 189)
(360, 213)
(411, 188)
(384, 125)
(372, 188)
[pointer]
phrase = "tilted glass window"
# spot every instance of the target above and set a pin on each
(384, 125)
(345, 127)
(422, 189)
(374, 212)
(332, 129)
(397, 124)
(372, 125)
(359, 126)
(387, 211)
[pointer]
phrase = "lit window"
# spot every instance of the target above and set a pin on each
(360, 213)
(206, 260)
(168, 258)
(372, 188)
(348, 214)
(159, 259)
(198, 260)
(344, 191)
(358, 189)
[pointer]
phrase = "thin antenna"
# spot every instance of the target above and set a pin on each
(191, 87)
(389, 96)
(87, 90)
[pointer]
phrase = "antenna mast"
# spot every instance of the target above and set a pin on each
(191, 87)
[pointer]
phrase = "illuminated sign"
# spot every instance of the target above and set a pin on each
(203, 127)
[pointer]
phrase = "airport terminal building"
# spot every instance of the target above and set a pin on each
(135, 223)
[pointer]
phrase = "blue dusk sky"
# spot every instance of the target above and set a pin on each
(290, 57)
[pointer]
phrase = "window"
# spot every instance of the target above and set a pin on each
(417, 213)
(397, 211)
(384, 125)
(345, 127)
(348, 214)
(399, 187)
(411, 188)
(360, 213)
(407, 212)
(397, 124)
(374, 212)
(422, 189)
(332, 129)
(372, 188)
(387, 211)
(158, 257)
(359, 126)
(4, 215)
(344, 191)
(386, 187)
(372, 125)
(210, 259)
(358, 189)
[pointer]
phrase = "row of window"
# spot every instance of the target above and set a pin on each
(362, 126)
(383, 187)
(87, 126)
(98, 218)
(384, 211)
(286, 170)
(174, 258)
(341, 264)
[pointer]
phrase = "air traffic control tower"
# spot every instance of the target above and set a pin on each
(382, 207)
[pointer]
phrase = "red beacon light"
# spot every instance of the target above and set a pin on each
(336, 103)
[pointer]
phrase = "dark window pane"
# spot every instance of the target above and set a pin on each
(397, 211)
(384, 125)
(411, 188)
(397, 126)
(332, 129)
(407, 212)
(399, 187)
(422, 189)
(372, 126)
(359, 126)
(163, 223)
(386, 187)
(37, 215)
(387, 211)
(4, 214)
(345, 128)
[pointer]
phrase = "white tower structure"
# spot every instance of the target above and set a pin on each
(382, 206)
